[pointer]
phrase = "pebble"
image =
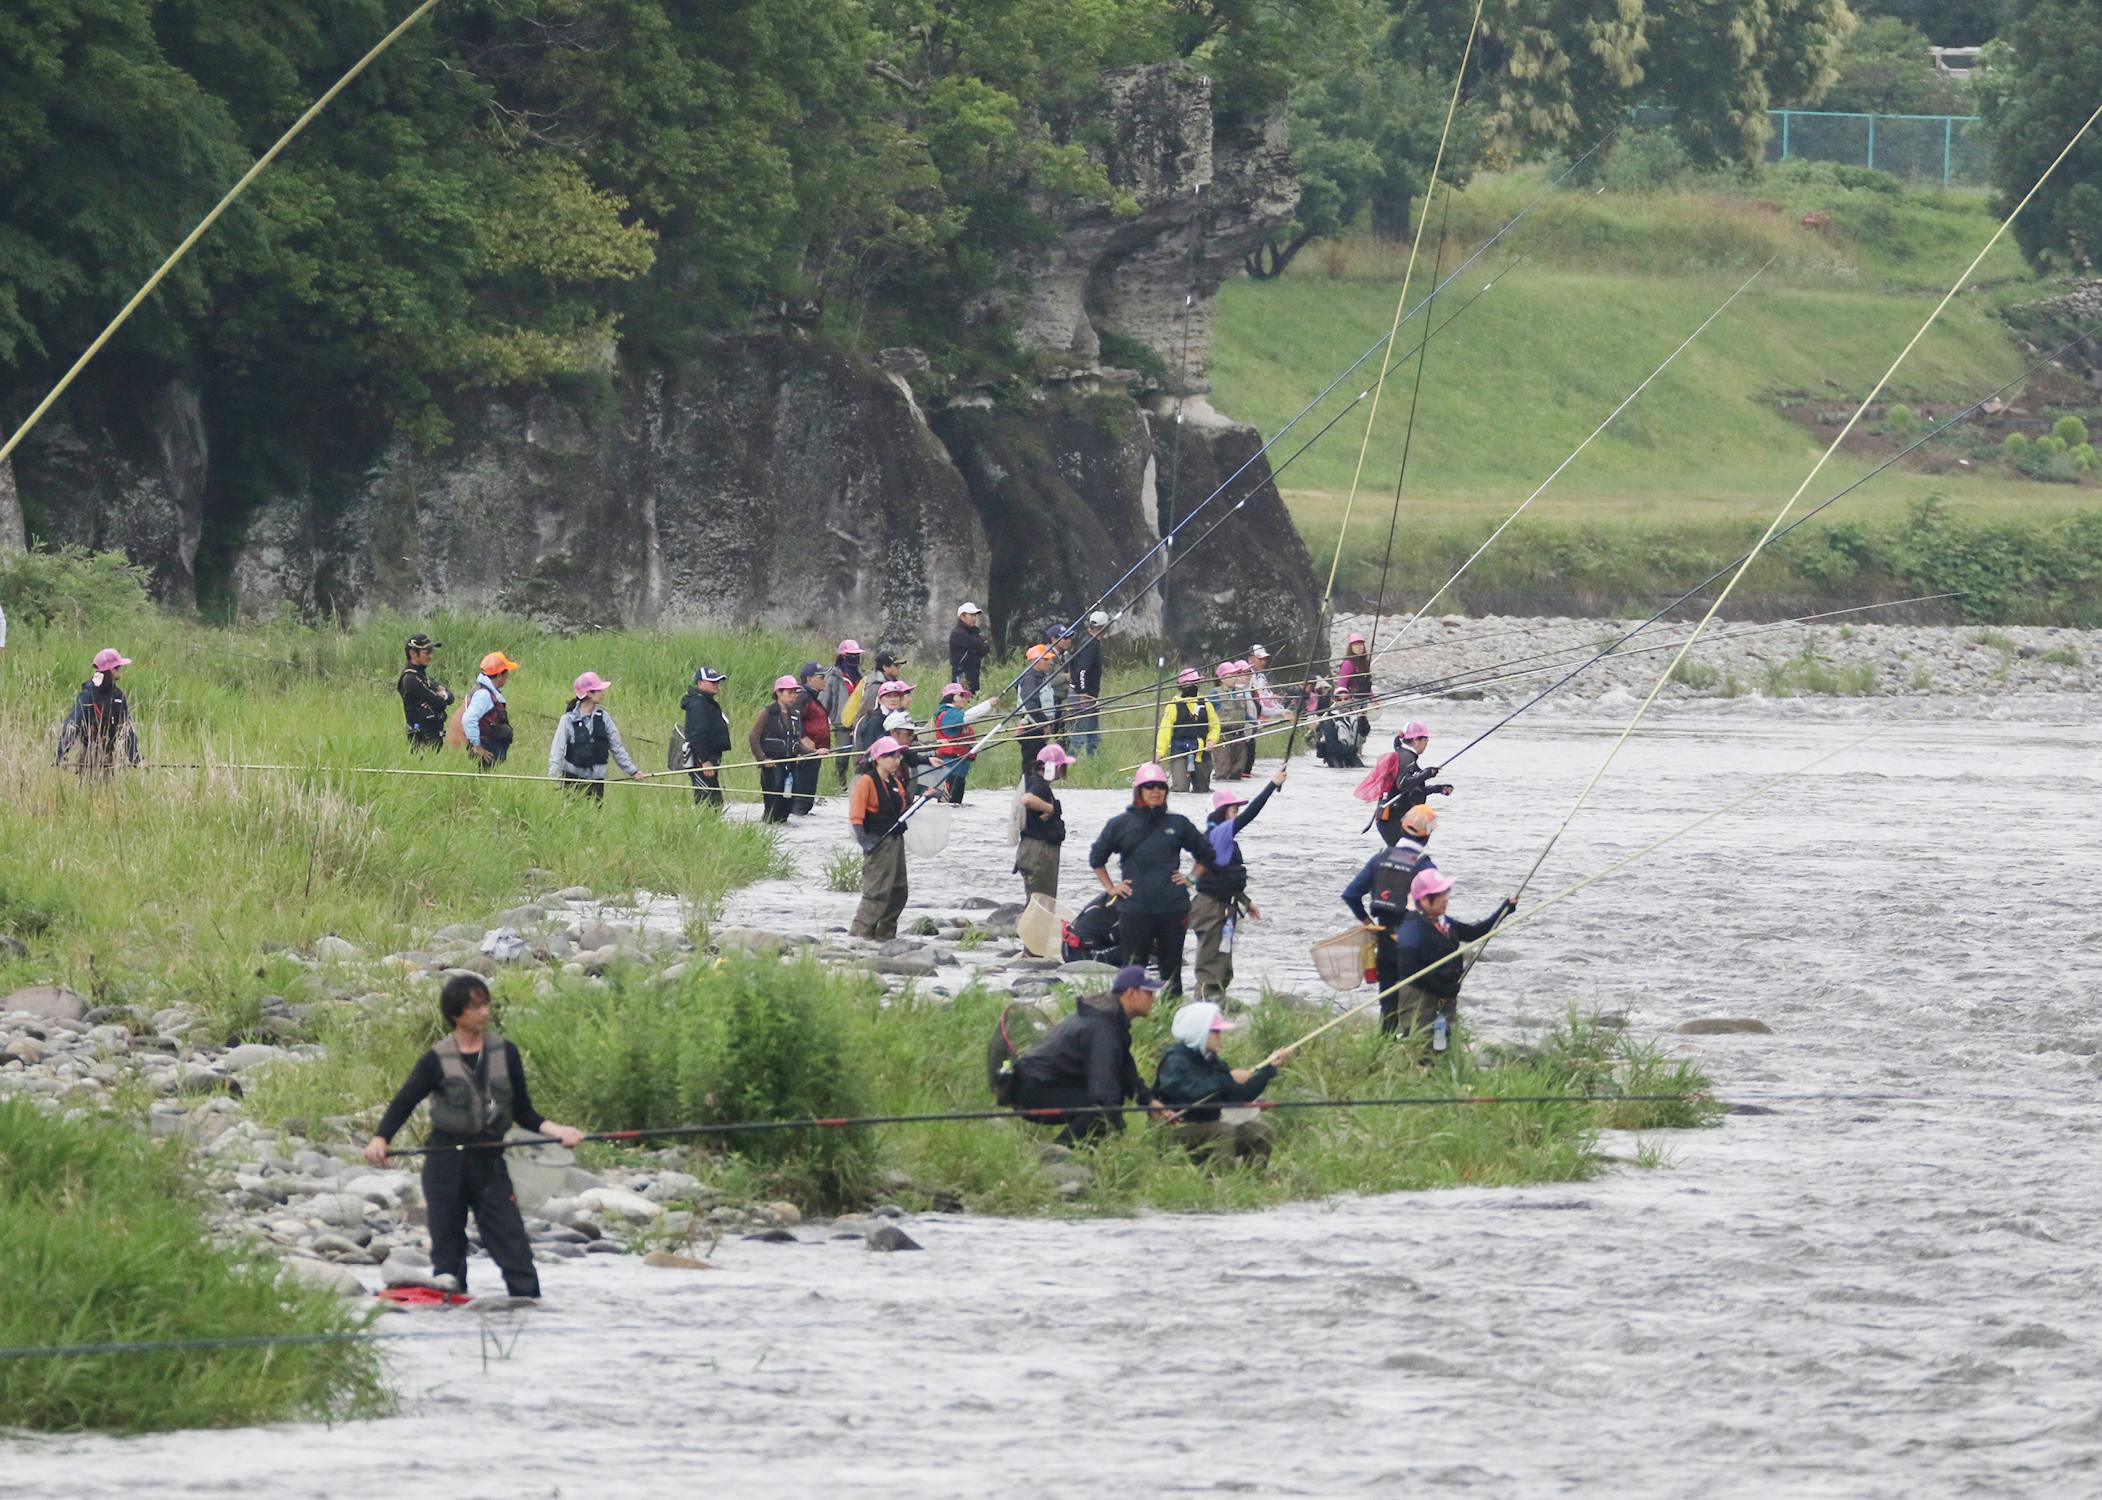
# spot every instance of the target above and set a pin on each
(250, 1055)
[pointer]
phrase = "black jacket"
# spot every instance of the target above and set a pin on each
(423, 702)
(777, 734)
(1149, 843)
(1187, 1075)
(1089, 1049)
(1411, 786)
(1045, 828)
(427, 1077)
(1231, 877)
(967, 650)
(1084, 667)
(707, 728)
(1418, 944)
(99, 725)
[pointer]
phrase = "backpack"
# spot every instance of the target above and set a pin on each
(852, 709)
(1019, 1028)
(1390, 882)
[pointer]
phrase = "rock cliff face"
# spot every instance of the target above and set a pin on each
(775, 478)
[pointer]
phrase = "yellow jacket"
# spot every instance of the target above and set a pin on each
(1190, 712)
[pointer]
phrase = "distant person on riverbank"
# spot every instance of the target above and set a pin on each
(967, 647)
(1236, 757)
(1188, 733)
(1222, 890)
(423, 699)
(955, 738)
(1430, 939)
(1084, 671)
(486, 720)
(892, 695)
(476, 1083)
(842, 700)
(1193, 1074)
(1153, 895)
(99, 728)
(1037, 704)
(1084, 1063)
(586, 738)
(1043, 832)
(708, 737)
(874, 810)
(1269, 706)
(817, 739)
(775, 740)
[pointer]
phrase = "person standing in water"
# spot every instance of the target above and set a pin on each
(875, 808)
(1153, 895)
(1222, 890)
(1043, 831)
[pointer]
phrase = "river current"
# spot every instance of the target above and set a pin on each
(1891, 1290)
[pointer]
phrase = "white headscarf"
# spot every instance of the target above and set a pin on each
(1193, 1023)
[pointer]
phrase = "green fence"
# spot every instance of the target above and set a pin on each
(1947, 149)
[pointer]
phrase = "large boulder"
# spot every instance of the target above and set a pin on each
(766, 479)
(50, 1002)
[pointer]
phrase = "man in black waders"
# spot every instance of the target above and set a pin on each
(477, 1088)
(423, 699)
(707, 736)
(1084, 1063)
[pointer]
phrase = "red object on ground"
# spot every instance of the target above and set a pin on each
(422, 1296)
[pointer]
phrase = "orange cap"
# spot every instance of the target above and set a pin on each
(1418, 821)
(496, 662)
(1038, 653)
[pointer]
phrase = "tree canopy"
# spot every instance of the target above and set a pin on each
(2035, 92)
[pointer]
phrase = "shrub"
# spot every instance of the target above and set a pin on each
(2070, 431)
(72, 588)
(2083, 458)
(1901, 423)
(103, 1239)
(843, 871)
(2015, 446)
(1645, 161)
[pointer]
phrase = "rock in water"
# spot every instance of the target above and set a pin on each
(52, 1002)
(774, 1237)
(321, 1275)
(1724, 1026)
(671, 1262)
(888, 1237)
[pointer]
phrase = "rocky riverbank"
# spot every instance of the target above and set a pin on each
(1503, 659)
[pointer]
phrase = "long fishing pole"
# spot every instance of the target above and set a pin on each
(1372, 349)
(1965, 415)
(652, 780)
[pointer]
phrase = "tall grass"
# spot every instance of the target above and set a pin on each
(103, 1239)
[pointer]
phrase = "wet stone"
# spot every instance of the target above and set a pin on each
(889, 1237)
(1724, 1026)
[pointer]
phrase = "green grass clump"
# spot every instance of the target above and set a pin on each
(103, 1239)
(843, 871)
(2062, 656)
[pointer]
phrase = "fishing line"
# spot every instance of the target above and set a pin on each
(1182, 391)
(1773, 526)
(8, 445)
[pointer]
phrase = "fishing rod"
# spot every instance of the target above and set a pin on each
(1744, 559)
(1575, 454)
(1049, 1115)
(1167, 539)
(651, 780)
(1473, 678)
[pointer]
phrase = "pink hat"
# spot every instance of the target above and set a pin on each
(885, 746)
(1150, 774)
(951, 691)
(109, 658)
(1053, 755)
(1242, 666)
(1415, 729)
(895, 688)
(1220, 1023)
(1428, 883)
(1187, 677)
(1224, 669)
(848, 647)
(1355, 639)
(1224, 798)
(786, 682)
(590, 682)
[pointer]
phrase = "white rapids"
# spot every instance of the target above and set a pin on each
(1848, 1296)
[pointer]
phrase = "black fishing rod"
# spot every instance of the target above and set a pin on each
(1965, 415)
(1167, 540)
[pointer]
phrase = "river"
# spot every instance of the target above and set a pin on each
(1857, 1296)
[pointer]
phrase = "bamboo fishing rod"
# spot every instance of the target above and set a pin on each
(1780, 516)
(1462, 682)
(1809, 515)
(651, 780)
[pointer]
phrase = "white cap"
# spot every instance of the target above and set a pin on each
(966, 608)
(893, 722)
(1098, 618)
(1258, 650)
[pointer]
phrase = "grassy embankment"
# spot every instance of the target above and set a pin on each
(1691, 473)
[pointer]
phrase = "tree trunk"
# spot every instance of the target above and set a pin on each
(13, 537)
(1268, 261)
(1390, 215)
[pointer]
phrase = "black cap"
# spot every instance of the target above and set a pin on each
(709, 674)
(888, 659)
(422, 642)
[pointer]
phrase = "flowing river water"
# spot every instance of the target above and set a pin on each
(1858, 1296)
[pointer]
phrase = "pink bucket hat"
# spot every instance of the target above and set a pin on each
(1242, 668)
(1188, 677)
(1224, 669)
(1225, 798)
(1150, 774)
(1428, 883)
(590, 682)
(1415, 729)
(786, 682)
(954, 689)
(848, 647)
(109, 658)
(894, 689)
(1053, 755)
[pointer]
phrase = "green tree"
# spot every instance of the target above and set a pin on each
(1945, 23)
(2034, 93)
(1884, 68)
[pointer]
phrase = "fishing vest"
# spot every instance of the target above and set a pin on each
(1188, 726)
(890, 805)
(952, 735)
(590, 746)
(1391, 877)
(496, 726)
(781, 733)
(460, 1108)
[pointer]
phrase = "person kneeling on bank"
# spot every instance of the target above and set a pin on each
(1193, 1074)
(476, 1083)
